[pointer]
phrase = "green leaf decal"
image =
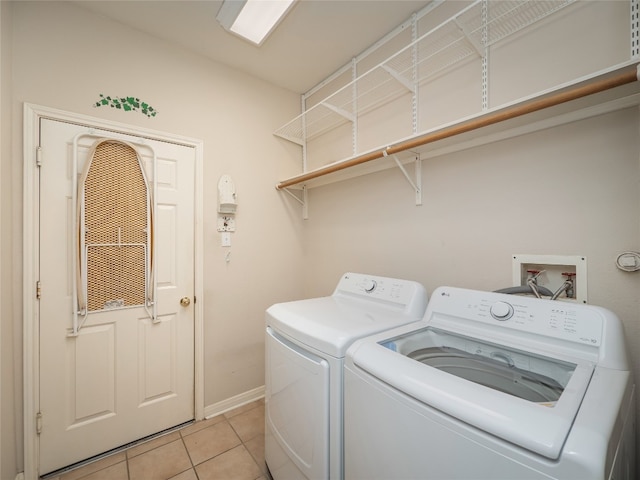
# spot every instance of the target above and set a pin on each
(128, 104)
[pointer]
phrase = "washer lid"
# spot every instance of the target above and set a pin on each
(523, 397)
(332, 324)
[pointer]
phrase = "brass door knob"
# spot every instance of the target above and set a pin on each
(185, 301)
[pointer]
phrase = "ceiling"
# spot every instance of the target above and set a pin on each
(315, 39)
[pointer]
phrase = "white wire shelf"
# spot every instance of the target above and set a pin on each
(608, 90)
(465, 35)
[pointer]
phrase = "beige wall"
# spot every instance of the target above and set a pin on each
(9, 415)
(64, 57)
(570, 190)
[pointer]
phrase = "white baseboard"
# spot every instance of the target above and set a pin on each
(233, 402)
(20, 476)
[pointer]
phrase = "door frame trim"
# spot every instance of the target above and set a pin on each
(31, 373)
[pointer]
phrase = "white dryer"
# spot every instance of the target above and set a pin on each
(305, 344)
(492, 387)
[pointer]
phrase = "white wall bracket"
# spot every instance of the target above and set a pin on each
(485, 55)
(634, 5)
(304, 201)
(340, 111)
(417, 185)
(414, 74)
(403, 81)
(478, 48)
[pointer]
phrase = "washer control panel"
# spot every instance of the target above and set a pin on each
(568, 321)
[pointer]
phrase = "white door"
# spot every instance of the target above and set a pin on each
(123, 376)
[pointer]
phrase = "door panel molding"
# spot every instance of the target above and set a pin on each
(31, 246)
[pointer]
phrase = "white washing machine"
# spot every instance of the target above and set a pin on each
(492, 387)
(306, 342)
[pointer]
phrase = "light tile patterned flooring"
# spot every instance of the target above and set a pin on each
(229, 446)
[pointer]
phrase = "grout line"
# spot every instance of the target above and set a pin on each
(193, 467)
(126, 450)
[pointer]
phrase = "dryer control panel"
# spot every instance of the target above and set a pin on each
(402, 294)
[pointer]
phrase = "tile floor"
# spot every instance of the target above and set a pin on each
(229, 446)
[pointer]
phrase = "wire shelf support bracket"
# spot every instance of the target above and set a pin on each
(635, 28)
(304, 201)
(415, 185)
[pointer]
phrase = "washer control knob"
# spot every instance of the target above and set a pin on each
(501, 311)
(370, 285)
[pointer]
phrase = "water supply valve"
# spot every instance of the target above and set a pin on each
(569, 282)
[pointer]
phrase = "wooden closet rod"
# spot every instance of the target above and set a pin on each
(626, 75)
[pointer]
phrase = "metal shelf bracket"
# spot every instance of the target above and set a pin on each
(469, 37)
(340, 111)
(417, 185)
(304, 201)
(635, 28)
(403, 81)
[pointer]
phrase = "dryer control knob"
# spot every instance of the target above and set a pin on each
(370, 285)
(501, 311)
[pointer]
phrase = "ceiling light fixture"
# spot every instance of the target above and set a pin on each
(253, 20)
